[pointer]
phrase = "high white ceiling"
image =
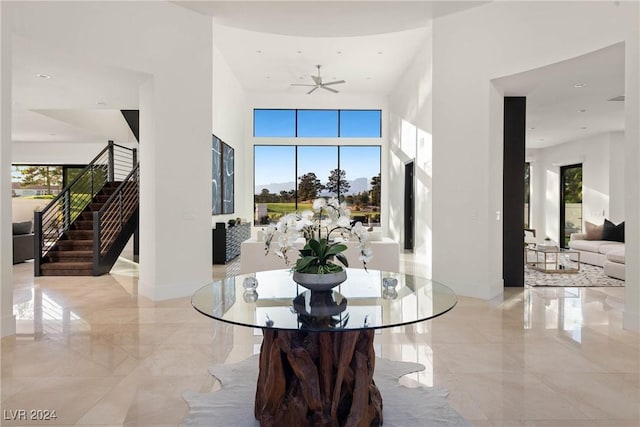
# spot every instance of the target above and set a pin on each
(269, 45)
(313, 18)
(61, 97)
(572, 99)
(271, 62)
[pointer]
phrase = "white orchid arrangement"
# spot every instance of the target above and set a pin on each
(320, 250)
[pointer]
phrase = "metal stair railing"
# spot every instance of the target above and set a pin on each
(113, 216)
(113, 163)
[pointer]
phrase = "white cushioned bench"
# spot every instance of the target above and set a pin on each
(386, 256)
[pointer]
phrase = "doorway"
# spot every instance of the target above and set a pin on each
(408, 206)
(570, 202)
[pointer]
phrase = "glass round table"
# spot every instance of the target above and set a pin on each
(317, 359)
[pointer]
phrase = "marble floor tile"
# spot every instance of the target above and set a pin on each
(99, 354)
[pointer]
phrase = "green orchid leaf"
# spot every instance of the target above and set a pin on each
(304, 262)
(317, 247)
(342, 259)
(336, 249)
(305, 252)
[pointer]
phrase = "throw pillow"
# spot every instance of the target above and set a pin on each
(21, 228)
(612, 232)
(594, 232)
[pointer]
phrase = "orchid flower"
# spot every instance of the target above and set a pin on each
(334, 215)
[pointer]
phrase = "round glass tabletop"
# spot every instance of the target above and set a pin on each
(366, 300)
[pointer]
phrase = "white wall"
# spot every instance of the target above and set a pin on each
(7, 320)
(410, 128)
(174, 47)
(470, 49)
(631, 171)
(317, 100)
(228, 124)
(602, 180)
(616, 176)
(61, 153)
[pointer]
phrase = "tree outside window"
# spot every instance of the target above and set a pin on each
(35, 180)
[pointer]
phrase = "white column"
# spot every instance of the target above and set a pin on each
(631, 319)
(8, 323)
(175, 188)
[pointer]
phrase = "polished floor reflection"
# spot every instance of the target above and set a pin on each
(96, 353)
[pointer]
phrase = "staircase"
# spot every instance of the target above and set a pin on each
(84, 229)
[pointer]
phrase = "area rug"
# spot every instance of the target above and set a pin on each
(589, 275)
(232, 405)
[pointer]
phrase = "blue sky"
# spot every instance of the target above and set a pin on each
(317, 123)
(275, 164)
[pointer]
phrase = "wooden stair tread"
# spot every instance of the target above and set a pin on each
(67, 265)
(57, 256)
(73, 255)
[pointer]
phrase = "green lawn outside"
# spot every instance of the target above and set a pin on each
(285, 208)
(276, 210)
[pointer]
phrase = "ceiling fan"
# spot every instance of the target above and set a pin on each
(317, 80)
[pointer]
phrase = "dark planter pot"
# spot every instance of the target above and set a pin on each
(319, 282)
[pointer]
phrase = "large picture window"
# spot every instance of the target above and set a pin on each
(36, 181)
(317, 123)
(274, 123)
(278, 123)
(288, 178)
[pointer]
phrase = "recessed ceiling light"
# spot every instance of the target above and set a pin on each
(268, 77)
(583, 128)
(379, 52)
(43, 76)
(258, 51)
(531, 128)
(579, 85)
(52, 134)
(369, 78)
(582, 110)
(541, 139)
(299, 51)
(101, 103)
(339, 52)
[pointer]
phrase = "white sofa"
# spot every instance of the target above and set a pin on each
(603, 253)
(386, 256)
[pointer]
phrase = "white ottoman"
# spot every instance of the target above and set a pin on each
(614, 264)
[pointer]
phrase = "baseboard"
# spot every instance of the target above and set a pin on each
(631, 321)
(161, 293)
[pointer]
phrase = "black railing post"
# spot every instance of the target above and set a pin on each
(120, 210)
(96, 243)
(134, 155)
(91, 181)
(37, 243)
(111, 163)
(66, 209)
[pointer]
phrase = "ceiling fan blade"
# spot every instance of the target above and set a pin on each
(314, 88)
(329, 89)
(302, 84)
(337, 82)
(317, 79)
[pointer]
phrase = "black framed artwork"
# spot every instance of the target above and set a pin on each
(222, 182)
(216, 179)
(227, 179)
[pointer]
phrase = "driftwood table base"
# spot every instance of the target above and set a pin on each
(317, 379)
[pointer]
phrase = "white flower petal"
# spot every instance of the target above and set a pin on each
(319, 204)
